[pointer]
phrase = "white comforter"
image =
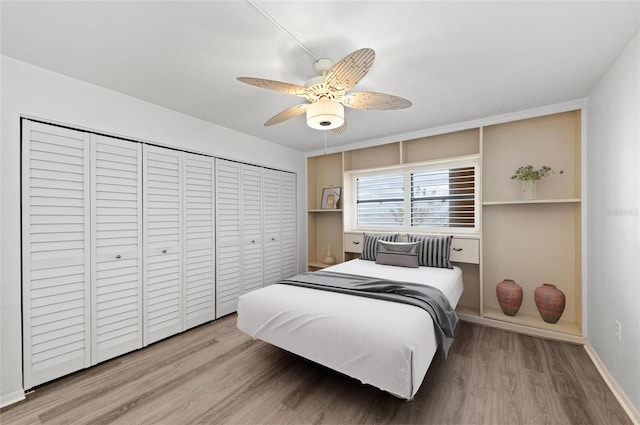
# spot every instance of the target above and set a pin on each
(385, 344)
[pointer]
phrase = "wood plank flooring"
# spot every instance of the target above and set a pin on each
(215, 374)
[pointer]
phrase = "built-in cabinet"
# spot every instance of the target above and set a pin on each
(324, 225)
(123, 242)
(532, 241)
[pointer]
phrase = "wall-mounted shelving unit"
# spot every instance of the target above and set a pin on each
(532, 241)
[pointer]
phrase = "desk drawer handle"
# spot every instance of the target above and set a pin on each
(457, 249)
(356, 242)
(164, 251)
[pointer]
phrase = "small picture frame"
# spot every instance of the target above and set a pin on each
(325, 204)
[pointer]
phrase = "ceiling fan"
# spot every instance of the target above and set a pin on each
(327, 93)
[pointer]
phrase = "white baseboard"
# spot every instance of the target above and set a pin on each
(627, 405)
(14, 397)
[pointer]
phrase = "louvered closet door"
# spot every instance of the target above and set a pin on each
(55, 257)
(199, 233)
(228, 233)
(272, 235)
(288, 224)
(162, 288)
(251, 210)
(116, 241)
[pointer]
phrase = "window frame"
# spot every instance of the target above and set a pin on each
(350, 204)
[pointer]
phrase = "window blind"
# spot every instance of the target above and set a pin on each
(380, 200)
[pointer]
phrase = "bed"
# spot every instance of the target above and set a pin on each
(385, 344)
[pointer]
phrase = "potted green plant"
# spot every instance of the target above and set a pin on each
(528, 176)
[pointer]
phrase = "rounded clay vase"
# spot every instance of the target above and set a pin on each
(509, 295)
(550, 302)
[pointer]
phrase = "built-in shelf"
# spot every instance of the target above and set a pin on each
(533, 201)
(325, 211)
(318, 264)
(467, 313)
(562, 326)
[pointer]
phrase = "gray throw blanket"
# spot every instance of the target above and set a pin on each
(430, 299)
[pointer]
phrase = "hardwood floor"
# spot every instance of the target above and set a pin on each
(215, 374)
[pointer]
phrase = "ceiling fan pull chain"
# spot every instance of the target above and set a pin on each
(325, 143)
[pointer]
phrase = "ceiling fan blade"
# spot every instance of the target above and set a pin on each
(350, 70)
(373, 100)
(288, 113)
(341, 130)
(274, 85)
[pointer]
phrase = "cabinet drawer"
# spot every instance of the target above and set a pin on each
(465, 251)
(353, 242)
(462, 250)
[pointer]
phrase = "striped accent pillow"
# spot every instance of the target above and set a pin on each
(434, 250)
(370, 244)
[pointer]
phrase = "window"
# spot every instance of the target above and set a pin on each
(429, 197)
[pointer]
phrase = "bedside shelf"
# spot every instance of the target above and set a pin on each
(325, 211)
(534, 201)
(319, 265)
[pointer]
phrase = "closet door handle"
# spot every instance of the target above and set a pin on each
(118, 256)
(253, 241)
(164, 251)
(273, 239)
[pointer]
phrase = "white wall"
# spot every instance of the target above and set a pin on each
(41, 93)
(613, 219)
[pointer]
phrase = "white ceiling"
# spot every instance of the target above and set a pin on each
(456, 61)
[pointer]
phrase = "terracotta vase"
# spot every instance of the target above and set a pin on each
(509, 295)
(550, 302)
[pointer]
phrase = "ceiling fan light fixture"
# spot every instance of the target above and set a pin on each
(325, 115)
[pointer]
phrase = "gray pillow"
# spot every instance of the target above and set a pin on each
(402, 254)
(434, 250)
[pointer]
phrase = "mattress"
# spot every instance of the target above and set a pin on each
(385, 344)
